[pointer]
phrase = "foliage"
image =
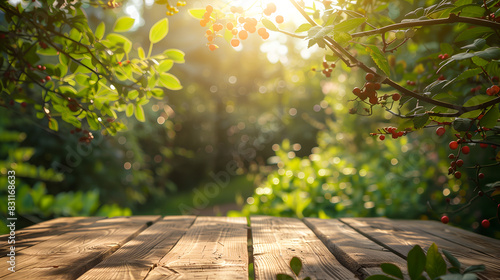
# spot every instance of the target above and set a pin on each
(53, 61)
(296, 266)
(432, 265)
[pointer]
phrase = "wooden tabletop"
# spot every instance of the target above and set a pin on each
(190, 247)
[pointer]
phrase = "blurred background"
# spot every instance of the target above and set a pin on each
(253, 131)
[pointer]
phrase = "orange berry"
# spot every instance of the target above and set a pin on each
(265, 36)
(235, 42)
(218, 27)
(234, 31)
(279, 19)
(229, 26)
(243, 34)
(249, 27)
(271, 7)
(210, 38)
(209, 8)
(212, 47)
(262, 31)
(241, 20)
(203, 22)
(209, 32)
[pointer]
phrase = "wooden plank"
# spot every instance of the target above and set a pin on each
(212, 248)
(137, 257)
(277, 240)
(71, 254)
(46, 230)
(480, 243)
(400, 238)
(353, 250)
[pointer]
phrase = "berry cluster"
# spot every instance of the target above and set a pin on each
(327, 69)
(390, 130)
(86, 137)
(411, 83)
(73, 104)
(493, 90)
(172, 10)
(484, 223)
(369, 90)
(443, 56)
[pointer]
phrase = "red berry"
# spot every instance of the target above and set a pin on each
(396, 96)
(480, 193)
(440, 131)
(480, 176)
(465, 150)
(483, 145)
(448, 200)
(24, 104)
(48, 78)
(370, 86)
(451, 156)
(458, 175)
(453, 145)
(356, 91)
(382, 137)
(485, 223)
(369, 77)
(39, 67)
(445, 219)
(460, 163)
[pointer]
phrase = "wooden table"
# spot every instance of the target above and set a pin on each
(189, 247)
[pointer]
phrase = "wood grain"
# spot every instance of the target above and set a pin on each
(399, 237)
(277, 240)
(37, 233)
(137, 257)
(71, 254)
(353, 250)
(212, 248)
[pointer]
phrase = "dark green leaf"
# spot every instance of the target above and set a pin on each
(416, 262)
(379, 59)
(454, 262)
(269, 24)
(420, 121)
(474, 268)
(490, 119)
(296, 265)
(476, 46)
(284, 277)
(435, 265)
(123, 24)
(158, 31)
(392, 269)
(462, 124)
(473, 33)
(465, 75)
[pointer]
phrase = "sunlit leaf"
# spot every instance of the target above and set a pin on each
(349, 24)
(139, 114)
(123, 24)
(379, 59)
(197, 13)
(435, 265)
(158, 31)
(170, 81)
(269, 24)
(303, 27)
(99, 32)
(176, 55)
(130, 110)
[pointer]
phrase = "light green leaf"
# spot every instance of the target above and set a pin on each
(197, 13)
(349, 24)
(165, 65)
(53, 124)
(379, 59)
(130, 110)
(140, 52)
(303, 27)
(93, 122)
(479, 61)
(490, 119)
(170, 81)
(158, 31)
(269, 24)
(120, 41)
(435, 265)
(176, 55)
(123, 24)
(139, 114)
(99, 32)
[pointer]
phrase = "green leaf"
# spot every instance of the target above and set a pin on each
(197, 13)
(479, 61)
(158, 31)
(474, 268)
(490, 119)
(454, 262)
(379, 59)
(269, 24)
(118, 40)
(379, 277)
(478, 99)
(349, 24)
(123, 24)
(420, 121)
(133, 94)
(303, 27)
(165, 65)
(416, 262)
(176, 55)
(170, 81)
(53, 124)
(476, 46)
(139, 113)
(463, 124)
(130, 110)
(435, 265)
(465, 75)
(140, 52)
(296, 265)
(99, 32)
(284, 277)
(93, 122)
(473, 33)
(392, 269)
